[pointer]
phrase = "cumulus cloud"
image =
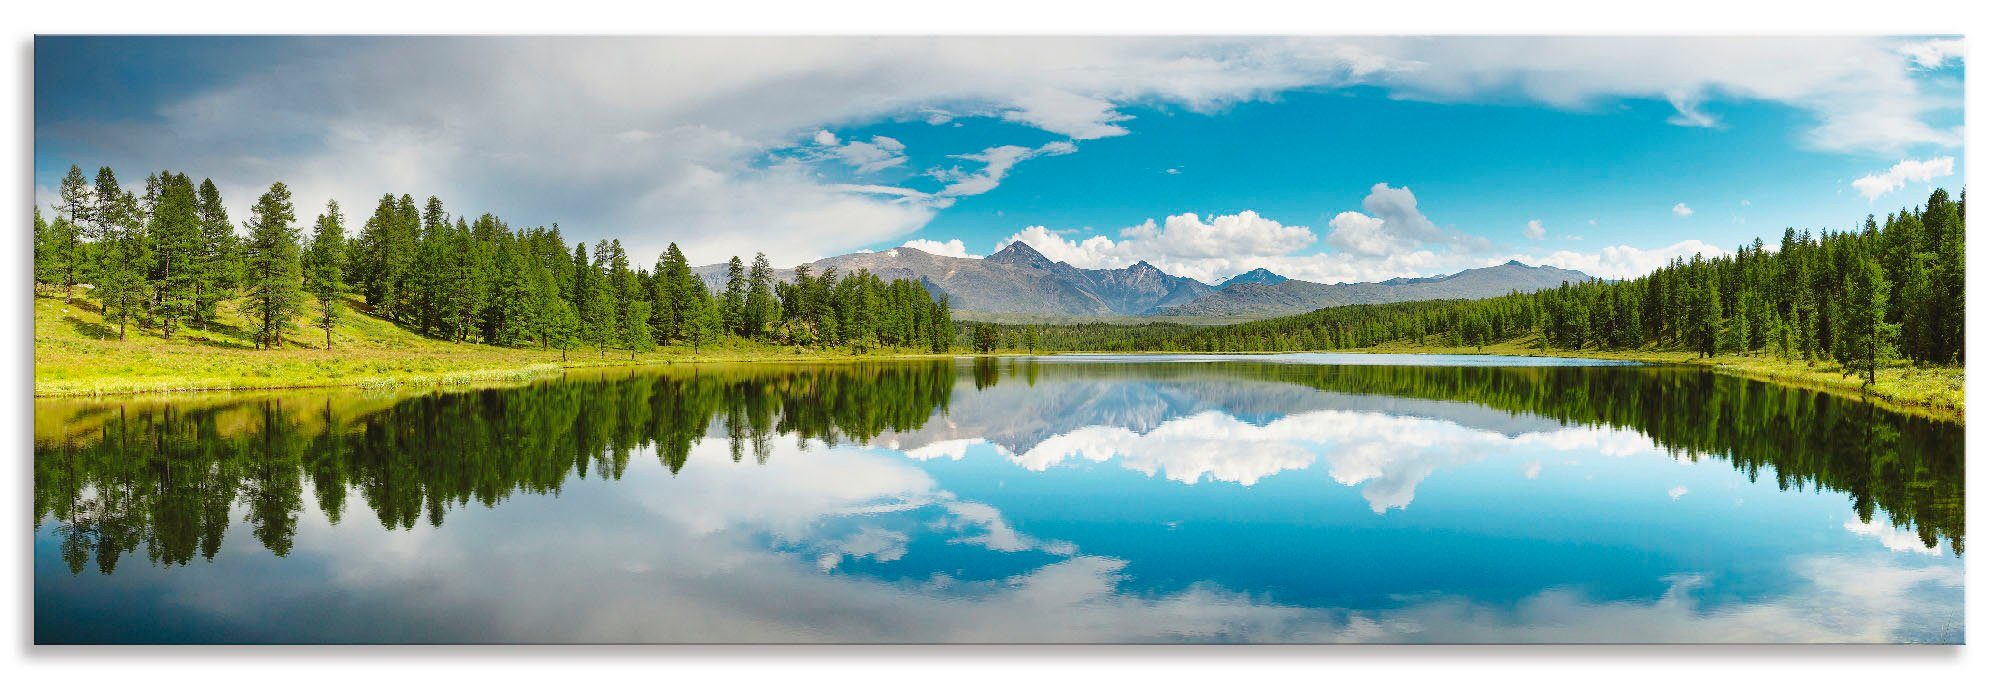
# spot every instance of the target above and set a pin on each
(1893, 538)
(1186, 244)
(686, 158)
(1395, 226)
(1682, 210)
(1622, 261)
(1873, 186)
(1393, 239)
(950, 248)
(1534, 230)
(1934, 53)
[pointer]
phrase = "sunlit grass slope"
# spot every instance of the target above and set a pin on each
(77, 354)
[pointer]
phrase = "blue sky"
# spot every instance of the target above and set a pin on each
(1332, 159)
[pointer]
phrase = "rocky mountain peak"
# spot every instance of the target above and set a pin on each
(1018, 252)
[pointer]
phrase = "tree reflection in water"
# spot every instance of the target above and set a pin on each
(166, 474)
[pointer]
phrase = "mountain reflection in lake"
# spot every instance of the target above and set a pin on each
(1290, 500)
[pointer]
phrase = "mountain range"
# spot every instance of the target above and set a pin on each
(1018, 280)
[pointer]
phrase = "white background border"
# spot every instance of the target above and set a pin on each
(1706, 17)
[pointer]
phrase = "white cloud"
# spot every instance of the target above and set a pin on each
(1934, 53)
(1859, 90)
(1396, 241)
(1534, 230)
(1682, 210)
(1532, 470)
(1677, 492)
(1185, 244)
(995, 162)
(873, 155)
(684, 158)
(1891, 537)
(1622, 261)
(950, 248)
(1077, 116)
(1396, 225)
(1896, 177)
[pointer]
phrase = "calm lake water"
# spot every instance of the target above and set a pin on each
(1304, 498)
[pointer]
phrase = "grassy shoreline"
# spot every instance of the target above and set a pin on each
(1936, 392)
(75, 356)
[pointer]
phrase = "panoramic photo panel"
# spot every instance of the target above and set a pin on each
(983, 340)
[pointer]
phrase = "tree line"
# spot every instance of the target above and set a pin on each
(1891, 289)
(166, 257)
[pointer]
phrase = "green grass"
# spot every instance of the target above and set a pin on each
(1937, 392)
(77, 354)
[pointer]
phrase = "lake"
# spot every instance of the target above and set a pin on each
(1293, 498)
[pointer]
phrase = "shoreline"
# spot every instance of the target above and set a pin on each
(75, 358)
(1944, 405)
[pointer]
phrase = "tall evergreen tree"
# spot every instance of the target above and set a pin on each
(118, 272)
(218, 269)
(638, 331)
(271, 267)
(176, 274)
(59, 254)
(597, 310)
(325, 262)
(672, 295)
(760, 306)
(734, 291)
(1867, 333)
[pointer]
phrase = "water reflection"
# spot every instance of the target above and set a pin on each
(767, 481)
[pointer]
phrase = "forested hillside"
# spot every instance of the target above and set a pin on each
(166, 258)
(1892, 289)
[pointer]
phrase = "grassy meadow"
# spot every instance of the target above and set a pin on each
(77, 354)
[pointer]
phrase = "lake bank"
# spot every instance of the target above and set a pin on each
(76, 356)
(1937, 392)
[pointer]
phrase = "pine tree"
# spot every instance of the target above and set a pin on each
(177, 251)
(58, 254)
(432, 280)
(1867, 336)
(564, 329)
(76, 212)
(760, 306)
(271, 267)
(406, 246)
(77, 197)
(218, 268)
(638, 332)
(325, 262)
(373, 269)
(465, 289)
(520, 287)
(119, 270)
(673, 295)
(704, 324)
(733, 294)
(597, 310)
(1709, 325)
